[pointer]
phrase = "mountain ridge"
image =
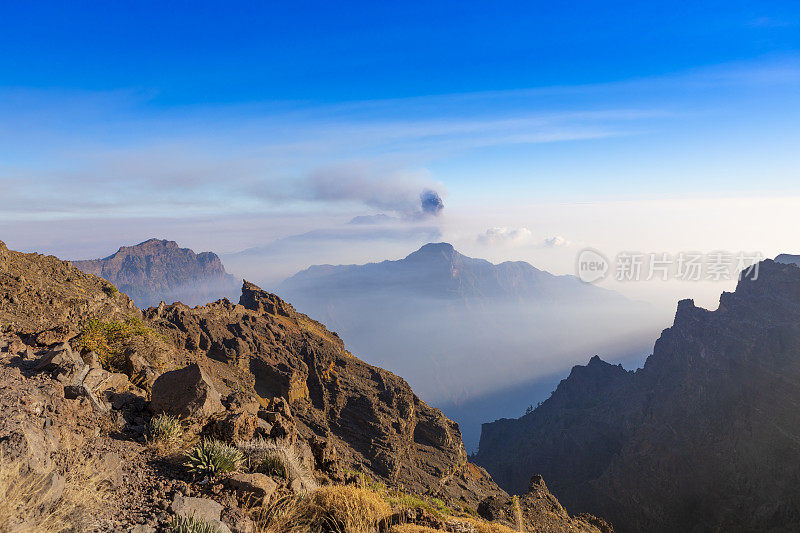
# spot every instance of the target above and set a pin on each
(709, 417)
(443, 255)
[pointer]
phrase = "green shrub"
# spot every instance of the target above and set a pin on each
(109, 339)
(191, 524)
(164, 430)
(212, 457)
(403, 500)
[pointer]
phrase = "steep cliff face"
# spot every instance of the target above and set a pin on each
(157, 270)
(706, 437)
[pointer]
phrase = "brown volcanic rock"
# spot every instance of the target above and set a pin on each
(704, 438)
(157, 270)
(185, 393)
(372, 416)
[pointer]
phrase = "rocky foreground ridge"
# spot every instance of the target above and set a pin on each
(705, 437)
(244, 417)
(156, 270)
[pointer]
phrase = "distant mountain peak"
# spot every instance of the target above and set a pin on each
(153, 242)
(434, 250)
(595, 360)
(159, 269)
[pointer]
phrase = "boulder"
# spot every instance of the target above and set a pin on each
(324, 452)
(239, 425)
(103, 383)
(260, 486)
(30, 444)
(139, 370)
(73, 392)
(203, 508)
(186, 393)
(238, 520)
(92, 359)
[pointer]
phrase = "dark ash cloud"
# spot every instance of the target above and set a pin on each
(430, 202)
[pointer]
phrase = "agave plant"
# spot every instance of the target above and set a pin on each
(212, 457)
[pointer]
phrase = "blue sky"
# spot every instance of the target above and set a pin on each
(229, 125)
(186, 53)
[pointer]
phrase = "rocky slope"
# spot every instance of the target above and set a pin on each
(83, 372)
(705, 437)
(158, 270)
(49, 299)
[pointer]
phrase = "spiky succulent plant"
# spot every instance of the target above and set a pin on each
(213, 457)
(164, 430)
(191, 524)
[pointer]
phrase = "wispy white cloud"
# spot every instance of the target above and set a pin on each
(503, 236)
(556, 241)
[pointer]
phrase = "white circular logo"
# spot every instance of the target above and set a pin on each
(592, 266)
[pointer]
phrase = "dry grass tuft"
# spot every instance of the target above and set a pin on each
(340, 508)
(348, 508)
(191, 524)
(164, 432)
(285, 515)
(46, 503)
(412, 528)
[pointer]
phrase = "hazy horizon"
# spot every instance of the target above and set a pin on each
(653, 128)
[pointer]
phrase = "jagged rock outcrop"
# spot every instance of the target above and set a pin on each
(157, 270)
(372, 417)
(705, 437)
(788, 258)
